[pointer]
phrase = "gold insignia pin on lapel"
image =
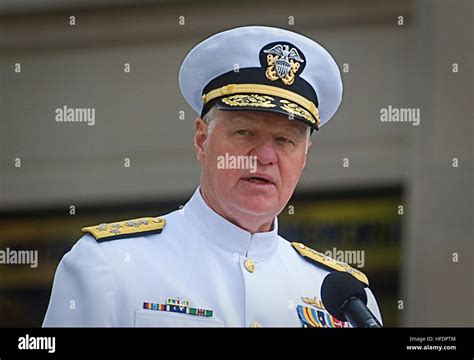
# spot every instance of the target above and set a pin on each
(314, 302)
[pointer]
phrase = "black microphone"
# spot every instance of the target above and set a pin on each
(345, 299)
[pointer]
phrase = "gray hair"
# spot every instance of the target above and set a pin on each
(209, 117)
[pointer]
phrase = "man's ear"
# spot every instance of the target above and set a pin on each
(200, 137)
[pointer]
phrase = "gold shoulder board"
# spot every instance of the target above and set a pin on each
(126, 228)
(328, 262)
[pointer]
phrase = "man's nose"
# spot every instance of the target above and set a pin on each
(265, 152)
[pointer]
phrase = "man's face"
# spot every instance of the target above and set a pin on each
(276, 143)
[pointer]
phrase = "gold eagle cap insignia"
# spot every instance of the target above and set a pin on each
(283, 63)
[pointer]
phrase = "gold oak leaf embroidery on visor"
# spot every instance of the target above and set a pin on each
(249, 100)
(295, 109)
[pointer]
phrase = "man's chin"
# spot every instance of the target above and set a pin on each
(258, 205)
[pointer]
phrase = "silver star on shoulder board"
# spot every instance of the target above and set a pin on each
(102, 227)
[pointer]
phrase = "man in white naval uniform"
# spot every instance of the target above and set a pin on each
(219, 260)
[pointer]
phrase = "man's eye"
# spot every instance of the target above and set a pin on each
(284, 140)
(243, 132)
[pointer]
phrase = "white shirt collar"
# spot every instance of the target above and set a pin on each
(225, 235)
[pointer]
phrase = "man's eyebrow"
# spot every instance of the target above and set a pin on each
(295, 130)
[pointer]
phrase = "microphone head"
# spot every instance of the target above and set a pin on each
(337, 288)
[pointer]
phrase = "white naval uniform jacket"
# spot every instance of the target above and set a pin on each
(199, 256)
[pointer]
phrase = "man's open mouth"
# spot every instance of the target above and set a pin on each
(258, 180)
